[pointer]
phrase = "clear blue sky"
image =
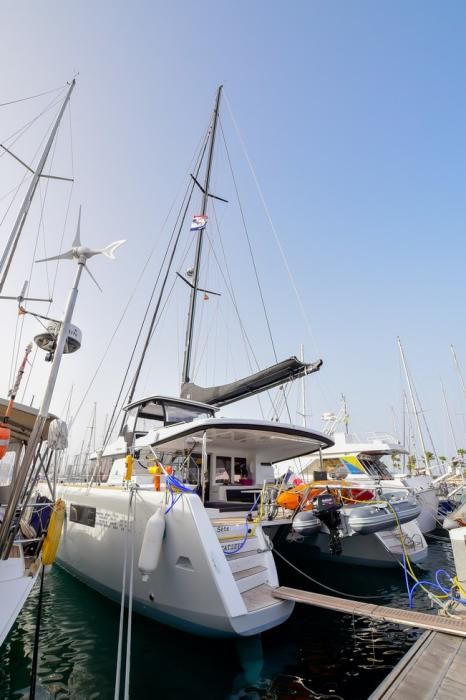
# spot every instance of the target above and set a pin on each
(354, 116)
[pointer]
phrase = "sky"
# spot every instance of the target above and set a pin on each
(352, 115)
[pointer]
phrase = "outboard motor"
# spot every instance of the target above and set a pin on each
(327, 510)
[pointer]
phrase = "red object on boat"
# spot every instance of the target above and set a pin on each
(5, 434)
(362, 495)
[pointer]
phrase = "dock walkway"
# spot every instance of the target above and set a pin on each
(411, 618)
(433, 669)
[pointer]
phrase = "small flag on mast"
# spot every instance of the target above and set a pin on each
(199, 221)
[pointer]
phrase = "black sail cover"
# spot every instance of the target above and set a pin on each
(221, 395)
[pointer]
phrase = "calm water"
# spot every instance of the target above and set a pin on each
(316, 654)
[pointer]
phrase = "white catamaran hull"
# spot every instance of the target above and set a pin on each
(195, 586)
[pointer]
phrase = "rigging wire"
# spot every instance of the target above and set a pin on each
(251, 253)
(32, 97)
(136, 343)
(128, 303)
(276, 237)
(180, 219)
(16, 135)
(31, 270)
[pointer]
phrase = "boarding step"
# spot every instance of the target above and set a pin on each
(251, 578)
(244, 560)
(259, 597)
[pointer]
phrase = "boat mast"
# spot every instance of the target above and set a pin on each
(458, 369)
(449, 418)
(303, 390)
(205, 198)
(413, 403)
(15, 234)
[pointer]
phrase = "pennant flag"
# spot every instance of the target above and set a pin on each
(199, 221)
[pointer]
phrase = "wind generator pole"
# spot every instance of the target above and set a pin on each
(413, 403)
(15, 234)
(6, 535)
(192, 302)
(81, 255)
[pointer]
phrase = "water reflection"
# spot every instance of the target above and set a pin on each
(316, 655)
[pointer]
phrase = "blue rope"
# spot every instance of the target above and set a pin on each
(172, 482)
(437, 585)
(241, 545)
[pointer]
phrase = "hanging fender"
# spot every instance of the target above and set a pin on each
(151, 547)
(52, 539)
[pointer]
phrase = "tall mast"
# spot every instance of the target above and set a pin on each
(303, 389)
(449, 418)
(413, 403)
(15, 234)
(205, 198)
(458, 369)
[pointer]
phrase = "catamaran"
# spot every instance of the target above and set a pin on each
(183, 489)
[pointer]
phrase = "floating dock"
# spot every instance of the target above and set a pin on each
(433, 669)
(435, 666)
(450, 625)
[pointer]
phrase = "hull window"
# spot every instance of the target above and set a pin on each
(85, 515)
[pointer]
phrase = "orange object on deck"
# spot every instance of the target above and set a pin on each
(5, 435)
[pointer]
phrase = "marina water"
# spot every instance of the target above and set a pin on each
(317, 654)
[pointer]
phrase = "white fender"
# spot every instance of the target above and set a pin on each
(152, 544)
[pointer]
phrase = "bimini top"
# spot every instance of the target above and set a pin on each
(169, 410)
(22, 419)
(273, 442)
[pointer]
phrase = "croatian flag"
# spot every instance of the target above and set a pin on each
(199, 221)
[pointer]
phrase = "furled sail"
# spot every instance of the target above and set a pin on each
(221, 395)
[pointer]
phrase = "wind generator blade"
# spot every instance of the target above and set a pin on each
(109, 250)
(77, 238)
(64, 256)
(92, 277)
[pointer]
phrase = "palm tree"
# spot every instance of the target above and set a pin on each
(411, 463)
(429, 457)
